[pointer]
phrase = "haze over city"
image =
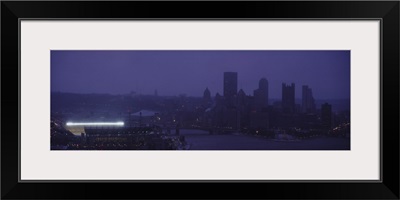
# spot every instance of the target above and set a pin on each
(173, 73)
(200, 100)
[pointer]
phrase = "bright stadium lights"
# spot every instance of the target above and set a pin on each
(95, 124)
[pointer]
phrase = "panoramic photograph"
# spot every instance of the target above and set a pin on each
(200, 100)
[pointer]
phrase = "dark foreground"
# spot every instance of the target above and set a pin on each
(203, 140)
(199, 140)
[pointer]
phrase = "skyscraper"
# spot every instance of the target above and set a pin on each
(308, 103)
(288, 94)
(207, 97)
(242, 98)
(219, 111)
(326, 115)
(261, 95)
(230, 84)
(230, 87)
(244, 109)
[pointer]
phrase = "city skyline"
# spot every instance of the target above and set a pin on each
(227, 105)
(120, 72)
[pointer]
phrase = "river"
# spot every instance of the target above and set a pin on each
(202, 140)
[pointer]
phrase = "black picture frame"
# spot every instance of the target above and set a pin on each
(13, 11)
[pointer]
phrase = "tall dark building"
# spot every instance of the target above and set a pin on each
(207, 101)
(218, 99)
(261, 95)
(244, 109)
(308, 102)
(242, 98)
(230, 113)
(230, 84)
(326, 115)
(288, 101)
(219, 111)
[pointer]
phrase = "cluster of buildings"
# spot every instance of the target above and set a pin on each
(236, 110)
(155, 122)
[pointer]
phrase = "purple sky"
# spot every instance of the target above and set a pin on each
(190, 72)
